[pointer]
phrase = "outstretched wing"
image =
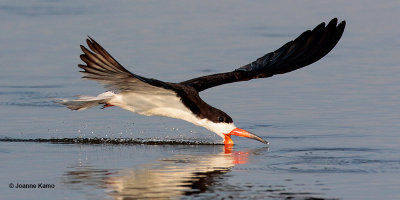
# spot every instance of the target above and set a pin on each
(103, 68)
(306, 49)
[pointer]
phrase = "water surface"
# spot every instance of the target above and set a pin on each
(333, 127)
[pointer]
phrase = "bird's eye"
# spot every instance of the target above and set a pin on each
(221, 119)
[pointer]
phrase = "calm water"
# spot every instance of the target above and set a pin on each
(333, 127)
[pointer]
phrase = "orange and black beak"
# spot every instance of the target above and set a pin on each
(242, 133)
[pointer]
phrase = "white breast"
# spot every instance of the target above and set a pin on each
(165, 104)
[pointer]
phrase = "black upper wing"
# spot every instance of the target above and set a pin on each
(308, 48)
(103, 68)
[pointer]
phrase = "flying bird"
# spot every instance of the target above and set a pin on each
(147, 96)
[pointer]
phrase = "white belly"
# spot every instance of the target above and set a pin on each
(162, 104)
(167, 105)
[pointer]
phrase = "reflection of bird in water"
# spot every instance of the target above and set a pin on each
(148, 96)
(168, 178)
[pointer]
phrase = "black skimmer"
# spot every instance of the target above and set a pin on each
(147, 96)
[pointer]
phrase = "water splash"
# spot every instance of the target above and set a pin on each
(114, 141)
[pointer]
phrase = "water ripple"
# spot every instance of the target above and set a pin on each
(43, 10)
(330, 149)
(334, 160)
(30, 86)
(32, 104)
(28, 98)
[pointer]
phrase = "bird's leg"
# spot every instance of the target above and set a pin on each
(228, 140)
(106, 105)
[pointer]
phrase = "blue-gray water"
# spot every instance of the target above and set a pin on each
(333, 127)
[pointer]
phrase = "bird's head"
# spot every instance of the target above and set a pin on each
(222, 124)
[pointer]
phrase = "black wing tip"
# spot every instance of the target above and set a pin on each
(335, 21)
(89, 39)
(307, 48)
(84, 49)
(82, 66)
(94, 46)
(342, 25)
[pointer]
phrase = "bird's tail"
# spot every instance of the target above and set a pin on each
(85, 102)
